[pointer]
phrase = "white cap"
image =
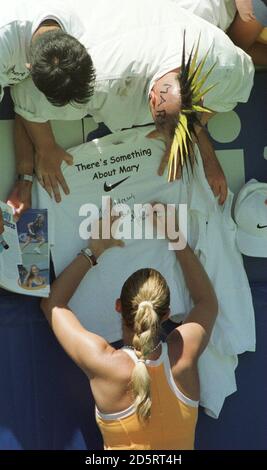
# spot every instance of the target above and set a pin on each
(251, 219)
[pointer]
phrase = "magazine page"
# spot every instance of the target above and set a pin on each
(10, 255)
(34, 246)
(24, 265)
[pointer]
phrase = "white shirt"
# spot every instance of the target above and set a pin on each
(95, 298)
(211, 233)
(18, 22)
(140, 45)
(221, 13)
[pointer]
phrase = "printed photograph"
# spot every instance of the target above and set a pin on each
(33, 239)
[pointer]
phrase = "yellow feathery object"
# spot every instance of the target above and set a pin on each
(192, 92)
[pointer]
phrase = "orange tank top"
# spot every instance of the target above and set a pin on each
(173, 415)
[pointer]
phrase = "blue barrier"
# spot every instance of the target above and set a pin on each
(45, 401)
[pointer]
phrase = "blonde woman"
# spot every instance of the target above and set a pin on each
(33, 280)
(146, 393)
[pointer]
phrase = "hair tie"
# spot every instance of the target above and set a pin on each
(146, 303)
(141, 360)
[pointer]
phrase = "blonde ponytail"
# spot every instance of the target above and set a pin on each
(146, 326)
(145, 299)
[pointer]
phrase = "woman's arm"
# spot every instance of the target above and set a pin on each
(86, 349)
(27, 281)
(196, 329)
(29, 226)
(42, 280)
(78, 343)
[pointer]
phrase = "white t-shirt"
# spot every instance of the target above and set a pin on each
(211, 233)
(221, 13)
(132, 160)
(18, 22)
(96, 164)
(146, 44)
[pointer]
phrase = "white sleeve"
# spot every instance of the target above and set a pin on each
(234, 81)
(5, 47)
(218, 12)
(205, 9)
(26, 101)
(32, 105)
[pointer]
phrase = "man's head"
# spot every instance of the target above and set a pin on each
(176, 103)
(165, 105)
(165, 98)
(61, 68)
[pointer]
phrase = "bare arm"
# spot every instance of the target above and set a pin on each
(29, 225)
(86, 349)
(49, 157)
(83, 347)
(197, 328)
(244, 34)
(213, 170)
(20, 195)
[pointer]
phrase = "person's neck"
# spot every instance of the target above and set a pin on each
(127, 338)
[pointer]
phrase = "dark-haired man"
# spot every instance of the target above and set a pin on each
(138, 45)
(44, 40)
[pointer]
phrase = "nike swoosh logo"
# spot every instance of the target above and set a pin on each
(109, 187)
(261, 226)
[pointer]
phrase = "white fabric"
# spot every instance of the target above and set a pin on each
(221, 13)
(217, 379)
(251, 219)
(214, 242)
(139, 41)
(118, 264)
(18, 22)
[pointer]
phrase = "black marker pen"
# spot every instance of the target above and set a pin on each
(3, 243)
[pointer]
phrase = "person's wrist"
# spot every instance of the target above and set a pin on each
(25, 179)
(89, 255)
(97, 251)
(96, 247)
